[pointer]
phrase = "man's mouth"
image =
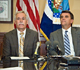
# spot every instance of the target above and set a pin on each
(63, 21)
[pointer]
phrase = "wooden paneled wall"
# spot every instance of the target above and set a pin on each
(43, 49)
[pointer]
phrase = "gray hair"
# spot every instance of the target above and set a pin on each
(20, 12)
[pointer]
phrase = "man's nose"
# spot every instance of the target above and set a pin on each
(21, 20)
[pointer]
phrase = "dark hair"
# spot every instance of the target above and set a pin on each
(67, 11)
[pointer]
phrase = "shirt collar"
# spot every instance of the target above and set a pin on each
(20, 32)
(69, 30)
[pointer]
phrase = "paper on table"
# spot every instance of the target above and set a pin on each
(12, 68)
(19, 58)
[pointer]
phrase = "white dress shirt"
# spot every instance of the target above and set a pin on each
(70, 39)
(18, 34)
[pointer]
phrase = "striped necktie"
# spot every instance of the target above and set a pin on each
(67, 44)
(21, 44)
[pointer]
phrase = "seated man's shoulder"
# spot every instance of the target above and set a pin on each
(76, 28)
(54, 32)
(32, 31)
(10, 32)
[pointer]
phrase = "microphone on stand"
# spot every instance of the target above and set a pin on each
(35, 56)
(36, 50)
(56, 47)
(48, 44)
(52, 51)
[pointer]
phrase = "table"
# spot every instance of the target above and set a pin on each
(27, 64)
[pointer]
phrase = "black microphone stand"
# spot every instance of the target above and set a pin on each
(48, 57)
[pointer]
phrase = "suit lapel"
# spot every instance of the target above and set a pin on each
(60, 38)
(74, 35)
(26, 39)
(15, 41)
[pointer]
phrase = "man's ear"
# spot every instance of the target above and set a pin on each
(15, 22)
(72, 21)
(27, 21)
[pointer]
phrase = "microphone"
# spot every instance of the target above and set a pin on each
(48, 44)
(56, 47)
(36, 50)
(52, 51)
(35, 56)
(50, 48)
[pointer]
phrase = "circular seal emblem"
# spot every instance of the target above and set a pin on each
(55, 5)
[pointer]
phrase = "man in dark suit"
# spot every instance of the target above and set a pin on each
(12, 38)
(57, 37)
(66, 19)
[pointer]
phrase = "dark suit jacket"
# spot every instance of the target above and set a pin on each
(10, 43)
(57, 36)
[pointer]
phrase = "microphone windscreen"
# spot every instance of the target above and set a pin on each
(48, 44)
(55, 44)
(57, 47)
(52, 52)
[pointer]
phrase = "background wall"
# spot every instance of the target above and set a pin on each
(74, 7)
